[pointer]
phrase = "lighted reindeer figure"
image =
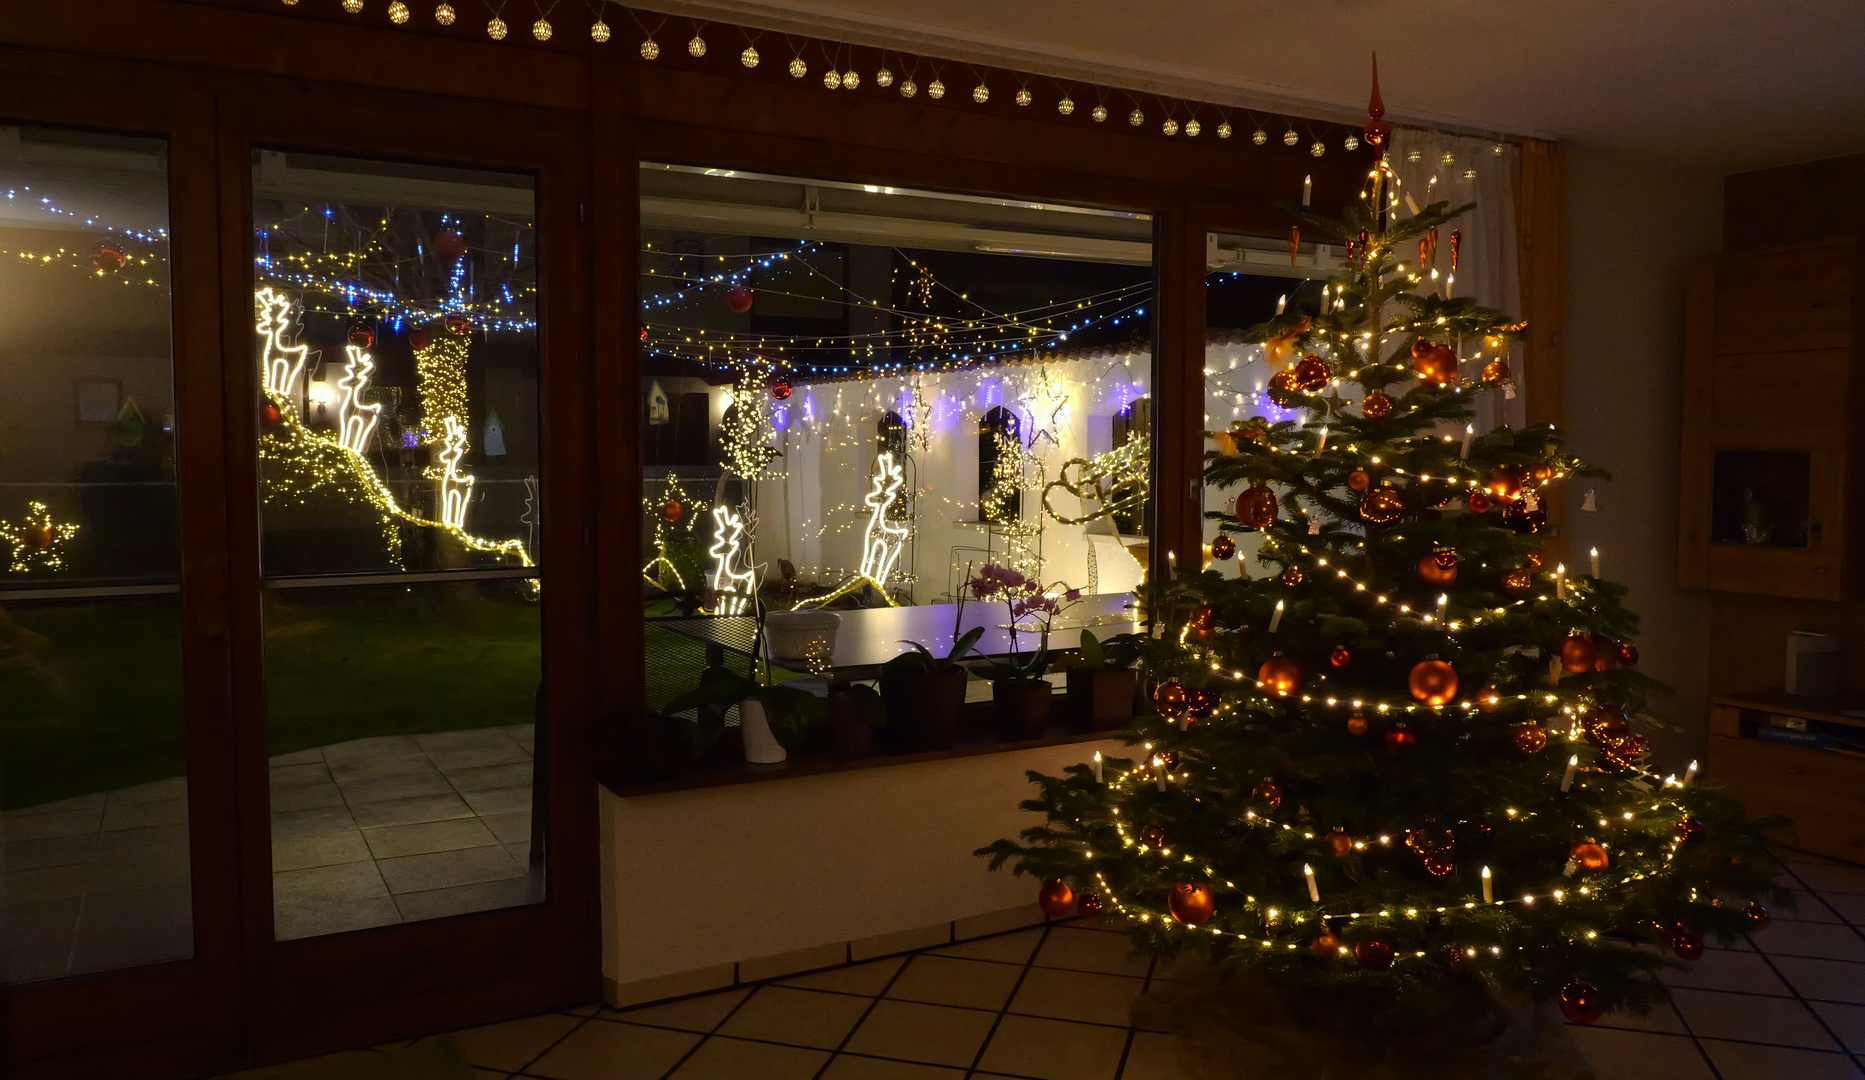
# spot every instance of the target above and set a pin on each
(732, 589)
(280, 361)
(884, 538)
(358, 420)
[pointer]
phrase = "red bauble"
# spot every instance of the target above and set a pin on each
(1433, 682)
(644, 333)
(1399, 735)
(108, 257)
(1433, 363)
(1202, 620)
(1088, 904)
(1267, 793)
(1757, 915)
(1626, 652)
(449, 244)
(1201, 703)
(1055, 899)
(456, 324)
(1438, 866)
(1382, 506)
(1279, 676)
(1578, 654)
(1438, 569)
(1358, 480)
(419, 339)
(1223, 548)
(362, 336)
(270, 414)
(1191, 903)
(1530, 738)
(1686, 945)
(1152, 836)
(672, 511)
(1311, 374)
(1282, 391)
(1508, 483)
(1169, 699)
(1291, 576)
(1340, 843)
(1327, 946)
(1496, 372)
(1689, 829)
(1477, 502)
(1256, 507)
(738, 298)
(1580, 1003)
(1373, 954)
(35, 538)
(1376, 405)
(1518, 582)
(1589, 855)
(780, 390)
(1340, 657)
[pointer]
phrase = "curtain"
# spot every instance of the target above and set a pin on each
(1435, 166)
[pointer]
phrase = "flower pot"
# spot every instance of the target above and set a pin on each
(849, 736)
(802, 635)
(1101, 700)
(761, 747)
(923, 710)
(1021, 708)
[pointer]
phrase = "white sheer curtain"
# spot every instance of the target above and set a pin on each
(1468, 170)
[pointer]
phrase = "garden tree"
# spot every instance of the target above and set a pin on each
(1397, 777)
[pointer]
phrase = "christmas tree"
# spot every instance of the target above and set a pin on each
(1396, 777)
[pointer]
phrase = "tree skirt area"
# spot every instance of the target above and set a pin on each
(1237, 1028)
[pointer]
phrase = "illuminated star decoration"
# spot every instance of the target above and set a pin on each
(456, 488)
(281, 362)
(1047, 408)
(660, 568)
(36, 540)
(357, 420)
(881, 544)
(732, 590)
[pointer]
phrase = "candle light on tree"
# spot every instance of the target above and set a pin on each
(1489, 896)
(1314, 892)
(1567, 779)
(1469, 430)
(1276, 619)
(1308, 188)
(1099, 776)
(1593, 555)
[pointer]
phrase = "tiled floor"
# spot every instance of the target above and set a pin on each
(1052, 1003)
(364, 833)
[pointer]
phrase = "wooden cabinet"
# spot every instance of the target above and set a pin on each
(1771, 437)
(1821, 790)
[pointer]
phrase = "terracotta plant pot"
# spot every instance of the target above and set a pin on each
(1021, 708)
(1101, 700)
(923, 710)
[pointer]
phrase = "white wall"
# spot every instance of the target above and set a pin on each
(1632, 228)
(701, 878)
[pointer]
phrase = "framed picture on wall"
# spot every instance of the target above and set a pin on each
(98, 400)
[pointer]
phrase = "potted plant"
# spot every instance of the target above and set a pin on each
(1020, 696)
(1102, 682)
(774, 719)
(856, 712)
(925, 694)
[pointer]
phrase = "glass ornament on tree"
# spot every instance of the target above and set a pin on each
(1416, 681)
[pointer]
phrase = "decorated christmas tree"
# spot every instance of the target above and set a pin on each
(1395, 777)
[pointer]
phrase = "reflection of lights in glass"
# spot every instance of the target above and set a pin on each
(732, 589)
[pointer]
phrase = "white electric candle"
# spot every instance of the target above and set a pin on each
(1276, 619)
(1410, 204)
(1594, 557)
(1281, 303)
(1159, 773)
(1322, 444)
(1099, 777)
(1469, 430)
(1489, 897)
(1308, 187)
(1444, 603)
(1690, 774)
(1314, 893)
(1560, 581)
(1567, 780)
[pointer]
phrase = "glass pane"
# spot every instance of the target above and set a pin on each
(1761, 498)
(397, 345)
(93, 764)
(853, 408)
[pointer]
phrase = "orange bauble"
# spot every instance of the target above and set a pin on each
(1169, 698)
(1201, 703)
(1311, 374)
(1382, 506)
(1223, 549)
(672, 511)
(1256, 507)
(1055, 899)
(1340, 843)
(1438, 866)
(1291, 576)
(1282, 391)
(1327, 946)
(1433, 682)
(1530, 738)
(1191, 903)
(1578, 654)
(1488, 700)
(1267, 793)
(1279, 676)
(1438, 569)
(1589, 855)
(1202, 620)
(1508, 483)
(1541, 474)
(1518, 582)
(1358, 480)
(1356, 724)
(35, 538)
(1496, 372)
(1433, 363)
(1376, 405)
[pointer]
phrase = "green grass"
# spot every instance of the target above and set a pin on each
(95, 703)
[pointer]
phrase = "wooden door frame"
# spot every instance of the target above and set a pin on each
(178, 1015)
(370, 985)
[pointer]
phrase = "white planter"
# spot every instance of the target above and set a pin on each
(801, 635)
(761, 747)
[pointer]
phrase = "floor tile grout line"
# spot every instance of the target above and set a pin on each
(1691, 1033)
(1795, 990)
(977, 1058)
(873, 1003)
(706, 1036)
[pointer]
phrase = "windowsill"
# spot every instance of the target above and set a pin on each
(725, 765)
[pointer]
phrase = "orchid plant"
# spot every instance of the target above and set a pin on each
(1025, 598)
